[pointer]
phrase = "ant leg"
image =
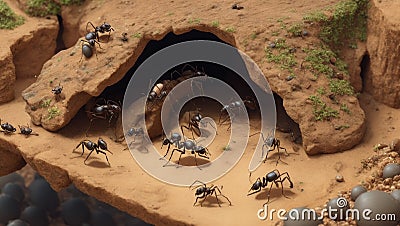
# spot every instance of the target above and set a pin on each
(90, 24)
(220, 193)
(88, 156)
(269, 191)
(102, 152)
(182, 152)
(188, 65)
(169, 145)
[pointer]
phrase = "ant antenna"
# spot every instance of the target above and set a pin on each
(250, 177)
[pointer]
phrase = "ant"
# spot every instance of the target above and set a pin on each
(108, 110)
(272, 143)
(182, 147)
(99, 147)
(27, 131)
(105, 27)
(133, 132)
(194, 123)
(202, 191)
(274, 176)
(233, 106)
(7, 128)
(57, 91)
(157, 93)
(87, 48)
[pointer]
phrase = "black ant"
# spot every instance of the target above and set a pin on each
(202, 191)
(272, 143)
(87, 48)
(27, 131)
(194, 123)
(273, 176)
(7, 128)
(105, 27)
(109, 110)
(99, 147)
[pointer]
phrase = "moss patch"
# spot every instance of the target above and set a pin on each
(42, 8)
(8, 19)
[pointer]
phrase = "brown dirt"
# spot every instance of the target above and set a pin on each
(126, 186)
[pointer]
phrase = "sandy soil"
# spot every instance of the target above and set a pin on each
(141, 195)
(313, 177)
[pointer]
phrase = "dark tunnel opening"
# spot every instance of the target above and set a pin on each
(116, 92)
(365, 67)
(284, 123)
(59, 41)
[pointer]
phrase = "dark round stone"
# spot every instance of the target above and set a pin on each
(75, 212)
(9, 209)
(337, 208)
(35, 216)
(43, 196)
(396, 194)
(15, 191)
(12, 177)
(356, 191)
(302, 216)
(375, 203)
(391, 170)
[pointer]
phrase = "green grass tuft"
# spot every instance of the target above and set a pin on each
(321, 110)
(42, 8)
(8, 19)
(53, 112)
(341, 87)
(347, 23)
(282, 55)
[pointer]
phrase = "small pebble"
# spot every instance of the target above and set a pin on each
(339, 178)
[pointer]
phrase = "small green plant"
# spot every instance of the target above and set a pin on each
(8, 19)
(215, 23)
(346, 24)
(42, 8)
(136, 35)
(226, 148)
(321, 110)
(194, 21)
(295, 30)
(345, 108)
(282, 55)
(341, 87)
(253, 35)
(45, 103)
(170, 14)
(230, 29)
(321, 91)
(318, 60)
(53, 112)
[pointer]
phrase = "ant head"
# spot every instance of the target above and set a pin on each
(105, 25)
(152, 95)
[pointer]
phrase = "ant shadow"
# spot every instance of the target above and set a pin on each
(212, 202)
(190, 161)
(92, 162)
(275, 193)
(97, 164)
